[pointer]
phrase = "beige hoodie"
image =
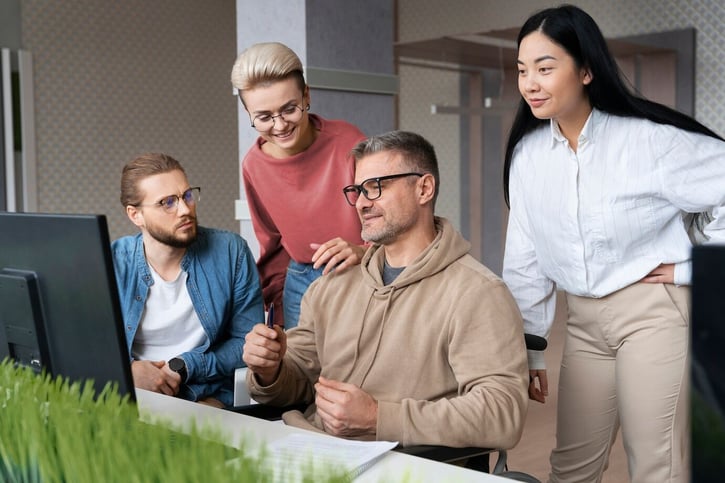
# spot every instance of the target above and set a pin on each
(441, 348)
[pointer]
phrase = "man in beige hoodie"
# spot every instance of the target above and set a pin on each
(420, 344)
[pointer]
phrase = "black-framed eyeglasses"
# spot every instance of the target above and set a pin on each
(290, 113)
(371, 188)
(171, 203)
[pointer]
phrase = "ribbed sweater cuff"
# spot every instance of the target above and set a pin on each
(390, 427)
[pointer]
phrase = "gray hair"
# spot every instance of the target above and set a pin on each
(416, 152)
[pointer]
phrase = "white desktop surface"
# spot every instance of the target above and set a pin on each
(392, 467)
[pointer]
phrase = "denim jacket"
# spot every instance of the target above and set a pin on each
(224, 287)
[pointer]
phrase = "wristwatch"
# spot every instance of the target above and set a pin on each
(178, 365)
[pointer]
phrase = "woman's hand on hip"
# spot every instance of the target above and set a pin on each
(665, 273)
(538, 385)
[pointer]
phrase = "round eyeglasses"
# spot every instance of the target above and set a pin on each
(291, 113)
(371, 188)
(170, 203)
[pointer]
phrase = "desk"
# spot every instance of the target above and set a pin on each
(239, 427)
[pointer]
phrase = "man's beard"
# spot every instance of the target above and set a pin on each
(387, 233)
(170, 238)
(381, 237)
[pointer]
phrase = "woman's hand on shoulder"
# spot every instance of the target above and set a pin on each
(336, 254)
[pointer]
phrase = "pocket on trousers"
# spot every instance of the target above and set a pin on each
(679, 297)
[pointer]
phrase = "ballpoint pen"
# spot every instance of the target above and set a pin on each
(270, 316)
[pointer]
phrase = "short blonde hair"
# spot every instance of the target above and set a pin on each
(265, 63)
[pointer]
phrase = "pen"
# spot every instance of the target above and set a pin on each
(270, 316)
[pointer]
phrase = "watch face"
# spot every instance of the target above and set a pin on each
(177, 364)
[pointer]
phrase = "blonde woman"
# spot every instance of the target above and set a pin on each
(293, 176)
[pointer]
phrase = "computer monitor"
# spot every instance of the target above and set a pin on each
(59, 302)
(708, 361)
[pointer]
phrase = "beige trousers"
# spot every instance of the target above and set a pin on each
(625, 363)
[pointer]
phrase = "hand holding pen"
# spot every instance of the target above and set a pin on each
(279, 330)
(264, 349)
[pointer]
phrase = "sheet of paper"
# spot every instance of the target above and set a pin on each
(301, 455)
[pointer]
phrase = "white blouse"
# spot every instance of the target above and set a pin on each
(596, 220)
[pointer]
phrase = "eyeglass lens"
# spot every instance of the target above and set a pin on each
(370, 189)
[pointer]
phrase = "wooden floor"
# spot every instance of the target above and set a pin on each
(531, 455)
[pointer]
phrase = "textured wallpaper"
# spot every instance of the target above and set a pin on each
(115, 79)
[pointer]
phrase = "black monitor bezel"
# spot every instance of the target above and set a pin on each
(90, 343)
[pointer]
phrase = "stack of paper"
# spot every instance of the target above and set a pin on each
(312, 457)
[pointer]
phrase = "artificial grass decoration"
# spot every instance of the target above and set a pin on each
(54, 431)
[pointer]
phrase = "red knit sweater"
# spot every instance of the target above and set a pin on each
(298, 200)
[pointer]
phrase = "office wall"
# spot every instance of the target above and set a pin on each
(115, 79)
(428, 19)
(353, 36)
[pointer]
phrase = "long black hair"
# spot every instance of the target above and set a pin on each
(576, 32)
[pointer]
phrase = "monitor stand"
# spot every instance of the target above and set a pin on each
(22, 329)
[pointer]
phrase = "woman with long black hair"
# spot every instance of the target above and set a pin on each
(601, 183)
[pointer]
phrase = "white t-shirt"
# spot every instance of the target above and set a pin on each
(169, 325)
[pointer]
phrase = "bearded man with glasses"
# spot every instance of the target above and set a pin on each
(292, 176)
(189, 294)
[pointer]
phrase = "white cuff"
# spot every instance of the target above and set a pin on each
(683, 273)
(536, 360)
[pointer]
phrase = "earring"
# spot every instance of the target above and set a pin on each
(307, 108)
